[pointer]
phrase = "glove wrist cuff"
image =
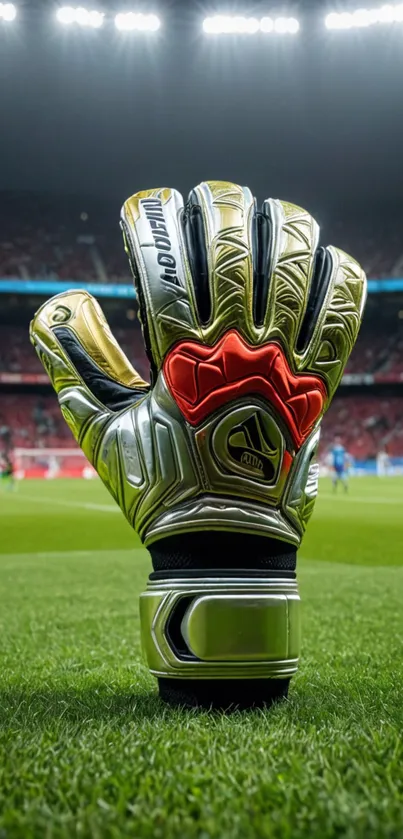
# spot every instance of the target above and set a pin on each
(229, 625)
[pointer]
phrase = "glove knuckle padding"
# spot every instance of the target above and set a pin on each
(248, 326)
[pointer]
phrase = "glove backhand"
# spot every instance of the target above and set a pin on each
(248, 326)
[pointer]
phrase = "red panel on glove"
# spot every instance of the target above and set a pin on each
(202, 379)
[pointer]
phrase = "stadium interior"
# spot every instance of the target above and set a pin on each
(299, 100)
(78, 241)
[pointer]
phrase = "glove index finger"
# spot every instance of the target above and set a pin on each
(151, 222)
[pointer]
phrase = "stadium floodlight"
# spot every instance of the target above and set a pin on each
(252, 25)
(239, 25)
(66, 15)
(286, 25)
(129, 21)
(8, 12)
(293, 25)
(266, 24)
(81, 16)
(365, 17)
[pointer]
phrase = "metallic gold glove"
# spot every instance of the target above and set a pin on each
(248, 326)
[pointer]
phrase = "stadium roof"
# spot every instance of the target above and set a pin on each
(315, 118)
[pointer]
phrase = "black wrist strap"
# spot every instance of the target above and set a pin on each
(217, 549)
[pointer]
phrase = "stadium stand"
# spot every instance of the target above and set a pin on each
(366, 424)
(79, 239)
(44, 237)
(17, 355)
(377, 352)
(378, 248)
(32, 421)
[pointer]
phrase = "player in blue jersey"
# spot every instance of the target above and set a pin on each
(340, 462)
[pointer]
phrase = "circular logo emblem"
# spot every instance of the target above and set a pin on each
(249, 442)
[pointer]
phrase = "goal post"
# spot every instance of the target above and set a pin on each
(51, 463)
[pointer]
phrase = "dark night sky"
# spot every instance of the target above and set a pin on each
(316, 118)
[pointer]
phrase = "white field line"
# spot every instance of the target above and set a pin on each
(113, 508)
(360, 499)
(83, 505)
(66, 554)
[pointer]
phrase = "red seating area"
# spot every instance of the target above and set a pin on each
(32, 421)
(366, 424)
(368, 353)
(379, 348)
(61, 255)
(380, 351)
(377, 247)
(18, 356)
(45, 237)
(79, 239)
(16, 353)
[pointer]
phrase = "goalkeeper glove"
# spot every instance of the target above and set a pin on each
(248, 326)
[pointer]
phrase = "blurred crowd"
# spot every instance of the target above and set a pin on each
(18, 356)
(32, 421)
(377, 246)
(376, 352)
(39, 254)
(43, 237)
(80, 240)
(366, 424)
(379, 350)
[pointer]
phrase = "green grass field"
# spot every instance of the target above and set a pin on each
(88, 750)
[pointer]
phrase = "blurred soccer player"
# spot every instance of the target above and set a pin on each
(382, 464)
(340, 461)
(7, 471)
